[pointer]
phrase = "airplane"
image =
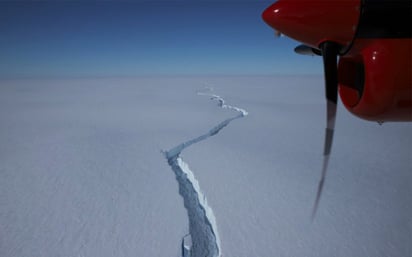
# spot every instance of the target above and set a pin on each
(366, 50)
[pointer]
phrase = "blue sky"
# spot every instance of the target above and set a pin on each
(132, 38)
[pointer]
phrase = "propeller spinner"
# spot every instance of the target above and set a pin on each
(326, 28)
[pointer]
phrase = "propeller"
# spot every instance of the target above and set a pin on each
(328, 21)
(329, 51)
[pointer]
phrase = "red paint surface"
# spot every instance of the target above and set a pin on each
(387, 92)
(313, 22)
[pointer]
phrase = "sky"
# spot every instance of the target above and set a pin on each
(134, 38)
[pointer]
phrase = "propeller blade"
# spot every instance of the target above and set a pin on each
(330, 53)
(307, 50)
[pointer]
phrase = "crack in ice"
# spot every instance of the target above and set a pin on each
(203, 238)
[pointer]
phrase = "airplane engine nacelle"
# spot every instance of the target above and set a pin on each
(373, 39)
(375, 79)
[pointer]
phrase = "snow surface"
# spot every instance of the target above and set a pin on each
(82, 171)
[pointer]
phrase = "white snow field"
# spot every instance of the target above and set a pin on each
(130, 167)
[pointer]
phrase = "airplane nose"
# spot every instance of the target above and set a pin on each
(315, 21)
